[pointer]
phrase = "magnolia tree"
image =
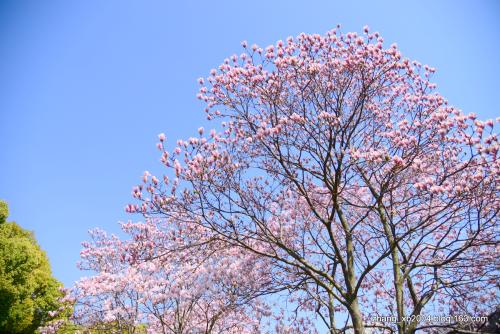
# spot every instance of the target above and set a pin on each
(165, 280)
(336, 180)
(167, 283)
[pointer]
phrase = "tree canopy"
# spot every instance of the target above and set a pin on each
(336, 188)
(28, 292)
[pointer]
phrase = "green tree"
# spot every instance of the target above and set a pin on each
(28, 292)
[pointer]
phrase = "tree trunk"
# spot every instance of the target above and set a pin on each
(357, 318)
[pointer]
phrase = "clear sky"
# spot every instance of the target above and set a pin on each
(86, 86)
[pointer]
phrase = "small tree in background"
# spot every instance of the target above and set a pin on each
(339, 182)
(28, 292)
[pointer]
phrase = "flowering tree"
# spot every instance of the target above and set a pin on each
(337, 175)
(165, 282)
(168, 281)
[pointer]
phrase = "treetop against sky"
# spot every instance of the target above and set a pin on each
(336, 185)
(87, 86)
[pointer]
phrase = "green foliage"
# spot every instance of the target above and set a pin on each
(101, 328)
(4, 212)
(114, 327)
(27, 289)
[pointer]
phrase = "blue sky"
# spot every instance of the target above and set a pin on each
(86, 86)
